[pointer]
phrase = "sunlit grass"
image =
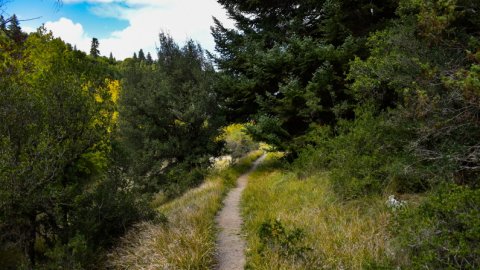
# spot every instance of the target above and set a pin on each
(187, 239)
(338, 234)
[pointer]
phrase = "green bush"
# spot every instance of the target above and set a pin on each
(182, 177)
(237, 142)
(443, 232)
(363, 157)
(288, 243)
(97, 219)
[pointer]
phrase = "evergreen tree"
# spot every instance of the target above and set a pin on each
(3, 23)
(111, 58)
(170, 118)
(135, 56)
(94, 48)
(14, 30)
(141, 55)
(149, 58)
(285, 64)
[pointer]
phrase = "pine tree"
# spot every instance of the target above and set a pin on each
(14, 30)
(111, 58)
(141, 55)
(94, 48)
(182, 113)
(135, 56)
(149, 58)
(3, 23)
(285, 62)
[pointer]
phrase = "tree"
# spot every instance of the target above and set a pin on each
(57, 116)
(170, 118)
(94, 48)
(141, 55)
(408, 68)
(111, 58)
(284, 65)
(135, 56)
(149, 58)
(14, 30)
(3, 23)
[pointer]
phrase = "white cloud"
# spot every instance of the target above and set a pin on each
(70, 32)
(28, 29)
(182, 19)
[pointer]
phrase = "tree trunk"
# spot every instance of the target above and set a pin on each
(32, 236)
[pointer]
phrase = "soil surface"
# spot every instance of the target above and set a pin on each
(230, 243)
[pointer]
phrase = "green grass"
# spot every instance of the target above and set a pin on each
(304, 225)
(187, 239)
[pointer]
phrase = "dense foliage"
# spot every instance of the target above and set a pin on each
(288, 58)
(61, 197)
(169, 117)
(382, 94)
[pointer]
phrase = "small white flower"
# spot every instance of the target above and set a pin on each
(394, 203)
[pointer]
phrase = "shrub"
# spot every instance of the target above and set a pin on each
(363, 157)
(288, 243)
(443, 232)
(237, 142)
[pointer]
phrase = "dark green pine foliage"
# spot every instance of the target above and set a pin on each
(141, 55)
(3, 23)
(170, 117)
(135, 56)
(149, 59)
(14, 30)
(286, 62)
(94, 52)
(111, 59)
(428, 64)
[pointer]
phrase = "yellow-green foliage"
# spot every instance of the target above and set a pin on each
(237, 141)
(336, 234)
(187, 239)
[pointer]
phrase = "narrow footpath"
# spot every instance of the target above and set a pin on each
(230, 243)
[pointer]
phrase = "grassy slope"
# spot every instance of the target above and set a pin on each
(187, 240)
(341, 235)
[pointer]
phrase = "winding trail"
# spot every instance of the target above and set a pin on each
(230, 244)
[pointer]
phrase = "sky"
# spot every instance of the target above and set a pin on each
(121, 26)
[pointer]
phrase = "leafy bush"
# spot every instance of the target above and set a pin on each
(100, 216)
(288, 243)
(182, 177)
(363, 157)
(237, 142)
(443, 232)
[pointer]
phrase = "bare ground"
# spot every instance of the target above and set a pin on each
(230, 244)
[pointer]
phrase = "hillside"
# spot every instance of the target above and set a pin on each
(368, 112)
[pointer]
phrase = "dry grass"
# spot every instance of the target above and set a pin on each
(342, 235)
(187, 240)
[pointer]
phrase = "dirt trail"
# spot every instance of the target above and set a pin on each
(230, 244)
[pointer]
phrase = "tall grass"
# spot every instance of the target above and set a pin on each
(308, 227)
(187, 239)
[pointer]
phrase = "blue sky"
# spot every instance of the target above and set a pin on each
(122, 26)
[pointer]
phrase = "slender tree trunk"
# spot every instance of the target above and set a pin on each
(32, 236)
